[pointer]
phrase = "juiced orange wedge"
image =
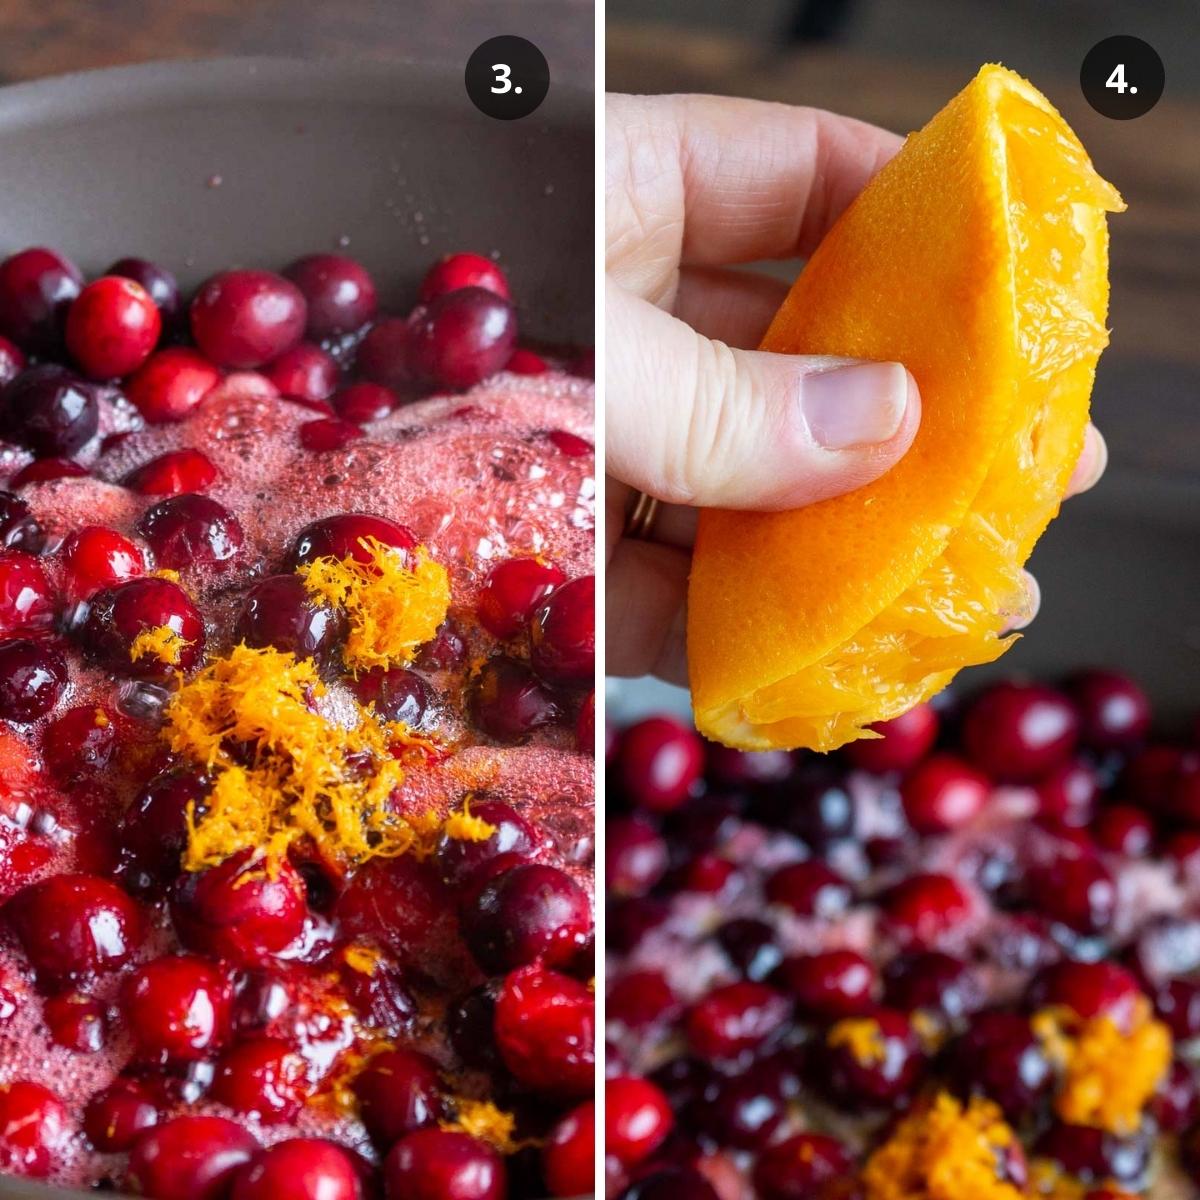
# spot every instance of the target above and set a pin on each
(978, 258)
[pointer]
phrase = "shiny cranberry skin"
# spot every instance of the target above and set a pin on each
(97, 557)
(171, 383)
(1000, 1057)
(525, 362)
(305, 372)
(1017, 732)
(1093, 1154)
(262, 1076)
(173, 473)
(562, 634)
(660, 761)
(382, 356)
(78, 745)
(364, 402)
(464, 270)
(280, 612)
(830, 984)
(36, 290)
(1123, 829)
(339, 291)
(903, 742)
(44, 470)
(461, 338)
(810, 889)
(301, 1169)
(944, 793)
(512, 591)
(247, 318)
(190, 1158)
(159, 283)
(438, 1164)
(397, 694)
(33, 1129)
(882, 1077)
(400, 902)
(189, 530)
(545, 1028)
(461, 859)
(635, 856)
(33, 676)
(1067, 795)
(637, 1118)
(1089, 989)
(751, 946)
(12, 361)
(74, 924)
(800, 1167)
(528, 913)
(117, 1116)
(1114, 713)
(735, 1017)
(641, 999)
(569, 1153)
(398, 1091)
(153, 829)
(75, 1021)
(585, 726)
(178, 1008)
(26, 598)
(924, 908)
(1075, 889)
(933, 982)
(507, 701)
(1177, 1103)
(344, 536)
(50, 412)
(112, 327)
(239, 909)
(118, 614)
(745, 1112)
(327, 434)
(19, 530)
(815, 806)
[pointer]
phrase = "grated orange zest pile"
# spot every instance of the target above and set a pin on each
(861, 1036)
(486, 1122)
(160, 642)
(465, 827)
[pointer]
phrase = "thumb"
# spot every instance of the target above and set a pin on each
(692, 421)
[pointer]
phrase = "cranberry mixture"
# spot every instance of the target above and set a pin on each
(296, 730)
(960, 960)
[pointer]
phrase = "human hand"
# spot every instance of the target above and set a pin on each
(696, 185)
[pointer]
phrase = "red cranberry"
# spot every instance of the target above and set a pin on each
(154, 829)
(457, 271)
(545, 1031)
(810, 889)
(747, 768)
(177, 1008)
(1016, 732)
(327, 434)
(159, 283)
(629, 921)
(511, 592)
(305, 372)
(12, 361)
(19, 530)
(1093, 1154)
(364, 402)
(33, 676)
(735, 1017)
(75, 1021)
(399, 901)
(1114, 713)
(398, 1091)
(525, 362)
(903, 742)
(585, 726)
(528, 913)
(50, 412)
(383, 355)
(999, 1057)
(397, 694)
(944, 793)
(190, 530)
(641, 999)
(78, 745)
(1150, 777)
(507, 701)
(247, 318)
(1177, 1103)
(816, 807)
(800, 1167)
(570, 444)
(74, 924)
(301, 1169)
(831, 984)
(243, 909)
(118, 614)
(115, 1117)
(710, 874)
(879, 1077)
(751, 947)
(461, 338)
(97, 557)
(173, 473)
(1183, 849)
(278, 611)
(1123, 829)
(470, 1025)
(562, 634)
(1067, 795)
(635, 856)
(569, 1153)
(36, 290)
(45, 470)
(746, 1112)
(934, 983)
(339, 291)
(660, 761)
(33, 1129)
(345, 536)
(190, 1158)
(1089, 989)
(438, 1164)
(923, 908)
(637, 1118)
(171, 384)
(461, 859)
(1075, 889)
(112, 326)
(26, 600)
(1178, 1004)
(263, 1076)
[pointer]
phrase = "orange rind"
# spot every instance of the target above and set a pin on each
(978, 258)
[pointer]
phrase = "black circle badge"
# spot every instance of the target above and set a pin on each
(507, 77)
(1122, 77)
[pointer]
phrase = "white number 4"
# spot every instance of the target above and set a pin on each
(504, 82)
(1115, 80)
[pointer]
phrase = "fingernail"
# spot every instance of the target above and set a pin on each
(856, 405)
(1031, 602)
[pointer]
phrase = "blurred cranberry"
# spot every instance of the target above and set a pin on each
(1094, 1154)
(1076, 889)
(830, 984)
(171, 384)
(637, 1118)
(902, 743)
(1123, 829)
(924, 908)
(810, 889)
(569, 1153)
(869, 1062)
(943, 793)
(1114, 713)
(933, 982)
(1016, 732)
(463, 270)
(383, 355)
(36, 290)
(1089, 989)
(751, 946)
(641, 999)
(305, 372)
(364, 402)
(12, 361)
(339, 292)
(1176, 1104)
(999, 1057)
(734, 1017)
(659, 761)
(635, 856)
(1067, 795)
(800, 1167)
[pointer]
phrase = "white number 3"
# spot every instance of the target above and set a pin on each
(1115, 80)
(503, 80)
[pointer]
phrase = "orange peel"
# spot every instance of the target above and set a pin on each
(978, 257)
